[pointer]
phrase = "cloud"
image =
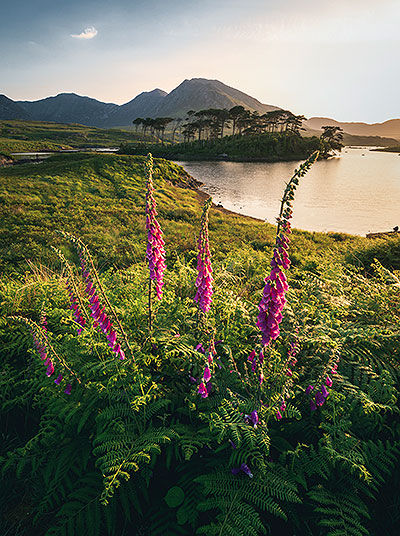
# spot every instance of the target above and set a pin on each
(88, 33)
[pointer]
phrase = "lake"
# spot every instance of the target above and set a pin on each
(357, 192)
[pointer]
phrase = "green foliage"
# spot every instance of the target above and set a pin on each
(134, 449)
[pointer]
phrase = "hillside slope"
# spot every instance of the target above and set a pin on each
(388, 129)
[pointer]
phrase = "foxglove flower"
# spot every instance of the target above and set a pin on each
(207, 375)
(202, 390)
(68, 389)
(155, 252)
(328, 381)
(309, 389)
(244, 468)
(204, 279)
(273, 300)
(58, 380)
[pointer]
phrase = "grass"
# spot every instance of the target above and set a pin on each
(101, 198)
(21, 136)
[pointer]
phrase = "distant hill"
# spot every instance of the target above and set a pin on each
(11, 110)
(200, 94)
(70, 108)
(387, 129)
(194, 94)
(144, 105)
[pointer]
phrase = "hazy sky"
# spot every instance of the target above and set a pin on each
(332, 58)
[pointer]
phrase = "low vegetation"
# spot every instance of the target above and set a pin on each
(24, 136)
(202, 428)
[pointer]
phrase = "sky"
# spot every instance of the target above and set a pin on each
(337, 59)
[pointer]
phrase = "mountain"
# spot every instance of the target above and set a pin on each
(388, 129)
(70, 108)
(144, 105)
(194, 94)
(11, 110)
(201, 93)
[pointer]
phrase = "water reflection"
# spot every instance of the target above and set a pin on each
(356, 193)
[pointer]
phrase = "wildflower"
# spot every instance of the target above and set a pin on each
(252, 355)
(202, 390)
(204, 279)
(254, 417)
(68, 389)
(200, 348)
(273, 299)
(155, 252)
(278, 415)
(192, 379)
(309, 389)
(58, 380)
(324, 391)
(207, 375)
(283, 406)
(328, 381)
(261, 378)
(289, 372)
(319, 398)
(244, 468)
(50, 368)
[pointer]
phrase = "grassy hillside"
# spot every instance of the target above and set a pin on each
(21, 136)
(105, 447)
(101, 198)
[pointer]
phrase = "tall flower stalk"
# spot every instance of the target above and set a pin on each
(155, 252)
(102, 311)
(204, 279)
(273, 300)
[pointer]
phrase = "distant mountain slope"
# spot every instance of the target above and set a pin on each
(201, 93)
(144, 105)
(70, 108)
(11, 110)
(389, 129)
(194, 94)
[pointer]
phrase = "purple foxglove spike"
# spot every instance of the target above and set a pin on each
(207, 375)
(261, 357)
(112, 337)
(309, 389)
(117, 348)
(278, 415)
(283, 407)
(324, 391)
(210, 358)
(328, 381)
(68, 389)
(121, 354)
(58, 380)
(200, 348)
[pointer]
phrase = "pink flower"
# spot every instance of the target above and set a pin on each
(204, 279)
(202, 390)
(207, 375)
(155, 252)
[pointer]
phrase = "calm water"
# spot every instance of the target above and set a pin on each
(356, 193)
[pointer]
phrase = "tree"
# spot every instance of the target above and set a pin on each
(332, 136)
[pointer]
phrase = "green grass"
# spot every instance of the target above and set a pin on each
(21, 136)
(101, 198)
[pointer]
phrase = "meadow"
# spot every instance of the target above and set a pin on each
(203, 428)
(26, 136)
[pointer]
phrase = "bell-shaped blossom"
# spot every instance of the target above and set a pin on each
(207, 375)
(244, 468)
(155, 252)
(204, 278)
(328, 381)
(202, 390)
(67, 390)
